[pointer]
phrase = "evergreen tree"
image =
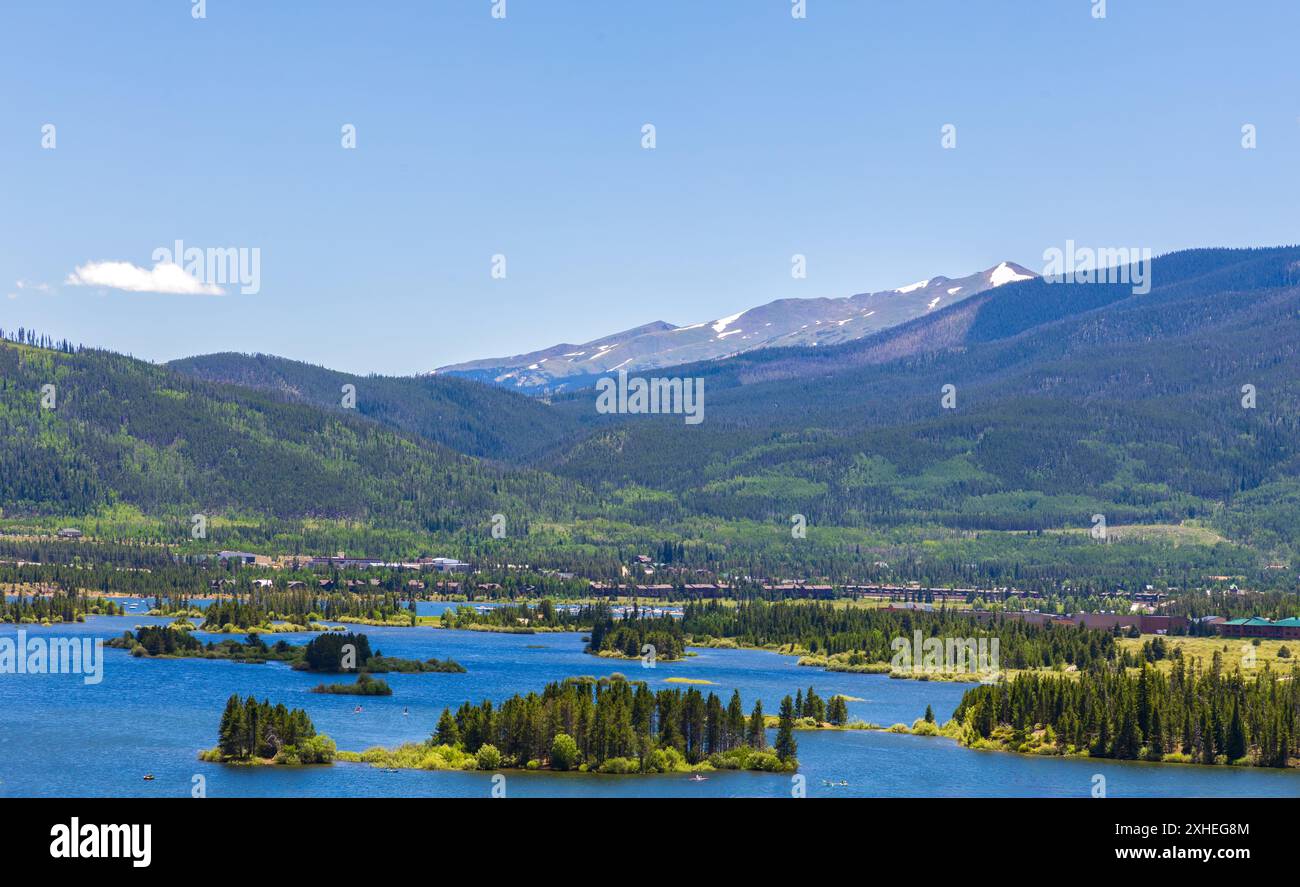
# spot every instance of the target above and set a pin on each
(756, 735)
(1236, 745)
(786, 747)
(447, 733)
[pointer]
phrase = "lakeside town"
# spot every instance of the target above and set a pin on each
(1137, 611)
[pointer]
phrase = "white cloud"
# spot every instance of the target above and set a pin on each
(166, 277)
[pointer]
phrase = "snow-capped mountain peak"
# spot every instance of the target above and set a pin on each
(785, 322)
(1008, 272)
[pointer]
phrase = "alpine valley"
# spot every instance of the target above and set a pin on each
(1071, 400)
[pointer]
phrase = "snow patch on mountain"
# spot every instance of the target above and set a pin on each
(1004, 274)
(725, 322)
(797, 322)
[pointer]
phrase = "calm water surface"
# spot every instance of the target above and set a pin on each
(59, 737)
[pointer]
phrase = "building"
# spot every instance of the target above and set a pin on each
(1146, 623)
(1259, 627)
(444, 565)
(342, 562)
(239, 557)
(70, 533)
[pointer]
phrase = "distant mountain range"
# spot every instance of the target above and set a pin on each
(785, 322)
(1176, 408)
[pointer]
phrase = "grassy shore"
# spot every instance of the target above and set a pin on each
(427, 756)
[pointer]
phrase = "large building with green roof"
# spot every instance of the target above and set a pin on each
(1259, 627)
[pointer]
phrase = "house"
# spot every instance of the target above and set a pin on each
(239, 557)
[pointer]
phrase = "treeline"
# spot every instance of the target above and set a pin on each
(258, 731)
(824, 629)
(1271, 605)
(1186, 715)
(47, 551)
(24, 336)
(57, 607)
(171, 641)
(522, 617)
(634, 636)
(337, 652)
(331, 653)
(261, 607)
(334, 653)
(615, 726)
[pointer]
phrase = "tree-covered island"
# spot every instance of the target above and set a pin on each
(327, 653)
(253, 732)
(608, 725)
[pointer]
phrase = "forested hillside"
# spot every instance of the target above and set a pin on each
(463, 415)
(125, 431)
(1071, 400)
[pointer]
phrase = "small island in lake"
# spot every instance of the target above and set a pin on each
(253, 732)
(614, 637)
(608, 725)
(342, 653)
(328, 653)
(365, 685)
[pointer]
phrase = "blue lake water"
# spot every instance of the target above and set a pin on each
(59, 737)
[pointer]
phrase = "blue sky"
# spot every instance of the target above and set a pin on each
(522, 137)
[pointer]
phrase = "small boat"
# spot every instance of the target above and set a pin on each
(357, 710)
(698, 778)
(405, 712)
(148, 777)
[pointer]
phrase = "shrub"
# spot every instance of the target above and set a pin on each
(922, 727)
(617, 765)
(318, 749)
(488, 758)
(564, 752)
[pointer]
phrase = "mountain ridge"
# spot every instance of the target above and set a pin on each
(780, 323)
